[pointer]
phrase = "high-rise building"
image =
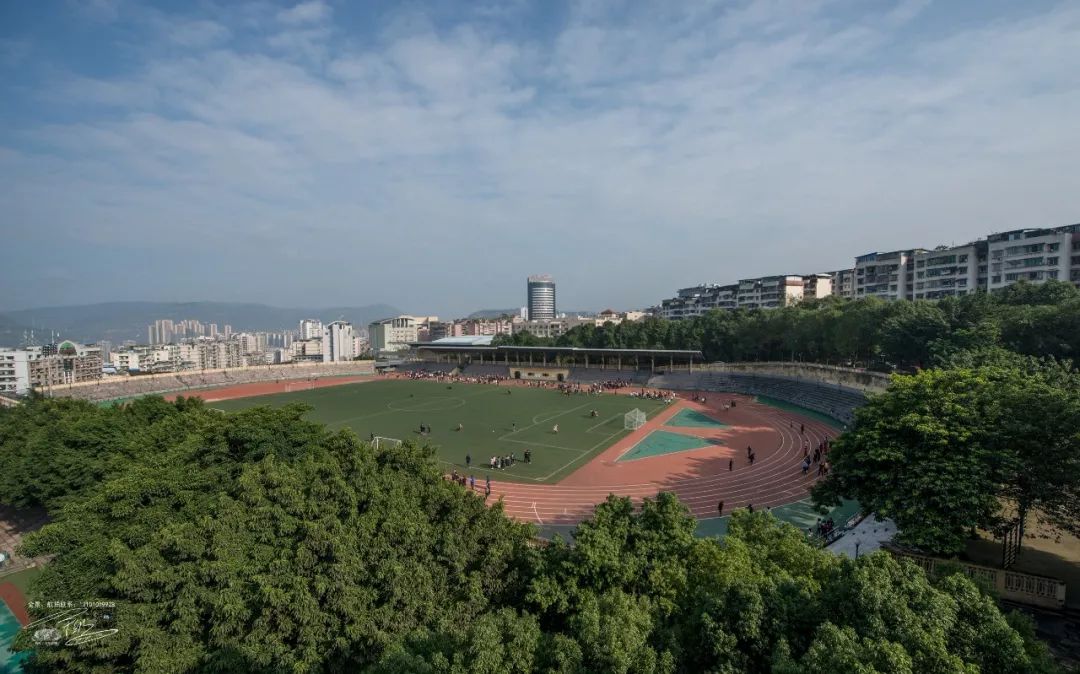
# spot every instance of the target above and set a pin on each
(541, 297)
(338, 342)
(1033, 255)
(311, 328)
(890, 276)
(950, 271)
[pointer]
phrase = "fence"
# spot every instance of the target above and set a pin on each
(1022, 588)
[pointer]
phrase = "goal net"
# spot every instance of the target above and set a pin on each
(634, 419)
(379, 442)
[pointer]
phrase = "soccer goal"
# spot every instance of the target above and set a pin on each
(380, 442)
(634, 419)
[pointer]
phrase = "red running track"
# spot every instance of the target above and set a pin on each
(700, 477)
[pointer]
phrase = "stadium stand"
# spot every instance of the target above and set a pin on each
(477, 370)
(837, 402)
(593, 376)
(113, 388)
(440, 368)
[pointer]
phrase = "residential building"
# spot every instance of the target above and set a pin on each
(770, 292)
(543, 328)
(337, 341)
(843, 283)
(395, 334)
(817, 286)
(1033, 255)
(42, 367)
(949, 271)
(307, 349)
(888, 275)
(311, 328)
(541, 297)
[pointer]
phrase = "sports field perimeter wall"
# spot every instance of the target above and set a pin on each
(860, 380)
(113, 388)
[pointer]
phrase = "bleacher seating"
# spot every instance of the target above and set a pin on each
(837, 402)
(687, 381)
(443, 368)
(485, 370)
(123, 386)
(594, 376)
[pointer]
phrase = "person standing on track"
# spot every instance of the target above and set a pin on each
(720, 508)
(730, 465)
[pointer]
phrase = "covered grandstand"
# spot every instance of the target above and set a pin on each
(468, 353)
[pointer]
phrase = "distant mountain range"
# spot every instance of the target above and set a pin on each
(119, 321)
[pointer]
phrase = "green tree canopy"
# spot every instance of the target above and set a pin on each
(976, 445)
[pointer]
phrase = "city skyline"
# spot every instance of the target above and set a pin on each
(194, 147)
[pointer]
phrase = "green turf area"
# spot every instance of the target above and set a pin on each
(694, 419)
(487, 413)
(800, 513)
(799, 409)
(658, 443)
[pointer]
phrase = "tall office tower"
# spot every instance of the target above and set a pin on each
(151, 334)
(228, 331)
(541, 298)
(213, 330)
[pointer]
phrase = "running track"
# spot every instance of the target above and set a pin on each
(700, 478)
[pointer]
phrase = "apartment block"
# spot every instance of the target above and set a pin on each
(1033, 255)
(950, 271)
(890, 276)
(770, 292)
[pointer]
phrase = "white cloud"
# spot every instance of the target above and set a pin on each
(769, 137)
(313, 11)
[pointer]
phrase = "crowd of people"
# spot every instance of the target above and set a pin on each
(447, 378)
(665, 396)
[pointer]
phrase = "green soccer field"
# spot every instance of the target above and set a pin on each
(494, 422)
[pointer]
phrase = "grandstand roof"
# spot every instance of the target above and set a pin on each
(467, 340)
(681, 354)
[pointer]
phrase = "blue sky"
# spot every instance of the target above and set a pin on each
(431, 155)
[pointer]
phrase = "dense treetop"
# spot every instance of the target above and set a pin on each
(1038, 320)
(258, 541)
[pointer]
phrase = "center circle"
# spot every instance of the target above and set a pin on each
(436, 404)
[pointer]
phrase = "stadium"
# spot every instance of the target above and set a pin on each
(554, 431)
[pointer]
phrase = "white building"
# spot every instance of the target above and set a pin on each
(14, 371)
(817, 286)
(395, 334)
(1033, 255)
(950, 271)
(42, 367)
(311, 328)
(337, 342)
(890, 276)
(770, 292)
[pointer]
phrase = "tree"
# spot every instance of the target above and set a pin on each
(257, 541)
(944, 451)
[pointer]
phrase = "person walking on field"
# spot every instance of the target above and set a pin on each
(555, 429)
(468, 460)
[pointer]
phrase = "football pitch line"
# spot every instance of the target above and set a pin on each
(506, 436)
